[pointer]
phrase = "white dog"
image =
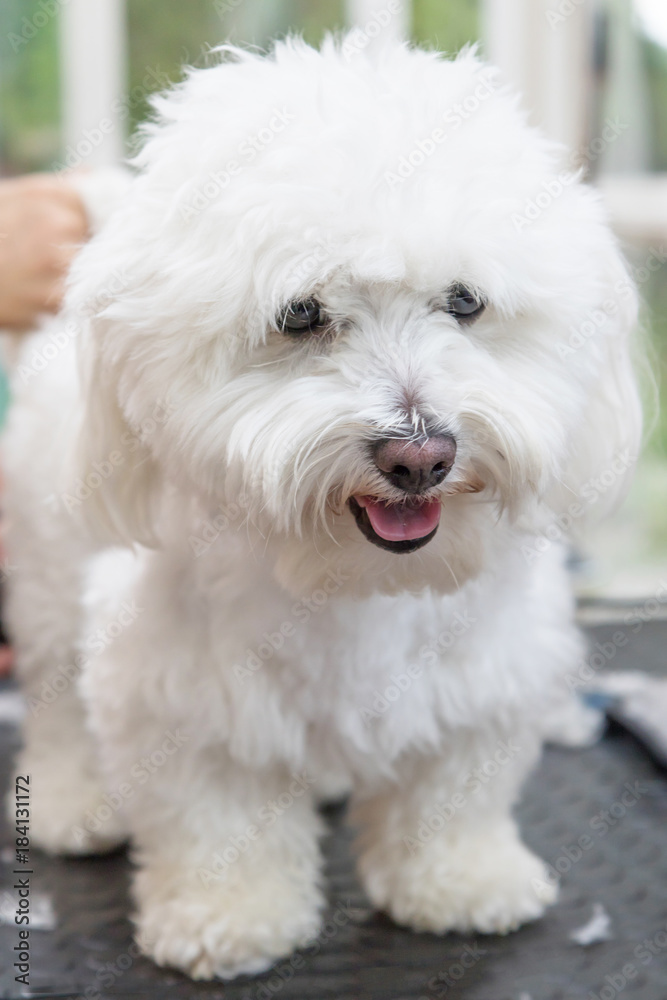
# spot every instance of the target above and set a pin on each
(353, 359)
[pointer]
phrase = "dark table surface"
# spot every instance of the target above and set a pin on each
(89, 951)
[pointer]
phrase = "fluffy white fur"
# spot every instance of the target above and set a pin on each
(233, 451)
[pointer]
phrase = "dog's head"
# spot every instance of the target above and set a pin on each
(361, 294)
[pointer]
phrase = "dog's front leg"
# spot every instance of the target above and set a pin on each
(440, 849)
(226, 885)
(226, 842)
(228, 856)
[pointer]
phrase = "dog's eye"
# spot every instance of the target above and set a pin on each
(464, 304)
(301, 317)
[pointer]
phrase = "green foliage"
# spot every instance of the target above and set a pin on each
(29, 86)
(165, 35)
(655, 62)
(312, 18)
(655, 320)
(446, 24)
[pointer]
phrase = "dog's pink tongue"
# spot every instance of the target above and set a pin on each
(396, 523)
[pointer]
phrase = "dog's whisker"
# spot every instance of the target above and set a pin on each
(453, 574)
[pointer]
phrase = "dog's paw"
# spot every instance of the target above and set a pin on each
(485, 884)
(70, 813)
(224, 930)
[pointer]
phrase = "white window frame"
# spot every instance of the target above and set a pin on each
(548, 58)
(93, 61)
(547, 61)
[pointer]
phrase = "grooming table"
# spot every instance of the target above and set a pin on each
(85, 947)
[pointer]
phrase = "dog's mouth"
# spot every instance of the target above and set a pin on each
(396, 527)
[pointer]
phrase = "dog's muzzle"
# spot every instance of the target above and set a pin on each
(413, 467)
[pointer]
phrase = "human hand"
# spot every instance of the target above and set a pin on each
(42, 224)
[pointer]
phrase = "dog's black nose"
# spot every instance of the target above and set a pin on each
(415, 465)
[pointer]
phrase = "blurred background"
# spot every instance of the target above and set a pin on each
(593, 74)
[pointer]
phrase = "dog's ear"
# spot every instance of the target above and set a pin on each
(604, 449)
(112, 476)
